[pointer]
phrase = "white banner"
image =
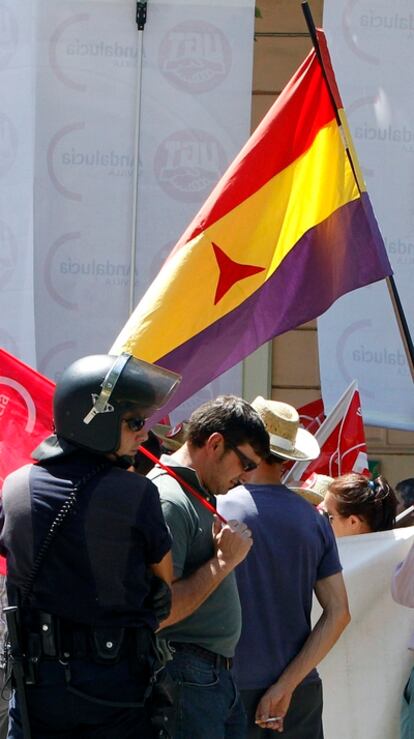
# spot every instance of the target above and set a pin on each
(365, 673)
(67, 165)
(371, 46)
(16, 178)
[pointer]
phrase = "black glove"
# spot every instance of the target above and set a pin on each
(159, 598)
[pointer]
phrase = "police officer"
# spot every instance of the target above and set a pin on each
(84, 539)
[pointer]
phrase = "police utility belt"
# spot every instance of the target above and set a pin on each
(49, 637)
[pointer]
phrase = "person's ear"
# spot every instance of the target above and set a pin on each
(356, 523)
(215, 441)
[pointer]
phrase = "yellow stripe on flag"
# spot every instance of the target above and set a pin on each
(260, 231)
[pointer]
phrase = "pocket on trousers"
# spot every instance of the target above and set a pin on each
(196, 676)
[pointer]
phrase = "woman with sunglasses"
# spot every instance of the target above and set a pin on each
(356, 505)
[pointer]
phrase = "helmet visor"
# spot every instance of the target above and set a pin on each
(134, 382)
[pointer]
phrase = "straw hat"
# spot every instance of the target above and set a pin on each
(287, 439)
(171, 437)
(314, 488)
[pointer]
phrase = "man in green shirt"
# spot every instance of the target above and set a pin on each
(225, 440)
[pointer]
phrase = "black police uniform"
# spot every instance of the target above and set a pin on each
(88, 621)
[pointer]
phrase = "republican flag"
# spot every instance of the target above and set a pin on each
(341, 439)
(284, 233)
(25, 412)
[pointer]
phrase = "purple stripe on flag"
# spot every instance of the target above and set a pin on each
(342, 253)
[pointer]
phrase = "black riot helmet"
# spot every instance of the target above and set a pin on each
(96, 391)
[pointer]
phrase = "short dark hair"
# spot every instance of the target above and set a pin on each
(232, 417)
(406, 490)
(372, 500)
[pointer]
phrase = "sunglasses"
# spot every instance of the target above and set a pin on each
(135, 424)
(247, 464)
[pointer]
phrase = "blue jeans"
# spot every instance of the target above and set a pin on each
(208, 701)
(407, 709)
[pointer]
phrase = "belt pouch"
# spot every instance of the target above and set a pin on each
(107, 644)
(47, 634)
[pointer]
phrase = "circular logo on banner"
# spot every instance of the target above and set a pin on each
(77, 46)
(188, 163)
(360, 353)
(27, 399)
(346, 346)
(8, 35)
(75, 278)
(58, 286)
(8, 253)
(59, 157)
(374, 31)
(56, 42)
(369, 104)
(8, 144)
(374, 128)
(74, 155)
(195, 56)
(352, 29)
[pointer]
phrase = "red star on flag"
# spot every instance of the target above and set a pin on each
(230, 272)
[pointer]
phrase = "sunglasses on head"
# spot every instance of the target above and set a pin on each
(247, 464)
(135, 424)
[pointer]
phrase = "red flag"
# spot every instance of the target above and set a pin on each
(342, 440)
(25, 412)
(311, 418)
(312, 415)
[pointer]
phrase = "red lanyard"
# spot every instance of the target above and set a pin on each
(182, 482)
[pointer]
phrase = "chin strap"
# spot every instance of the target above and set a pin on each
(101, 403)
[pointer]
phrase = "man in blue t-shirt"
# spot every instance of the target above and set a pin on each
(294, 556)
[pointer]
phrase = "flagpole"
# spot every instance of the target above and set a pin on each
(353, 160)
(141, 18)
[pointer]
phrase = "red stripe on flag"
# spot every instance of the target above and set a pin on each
(285, 133)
